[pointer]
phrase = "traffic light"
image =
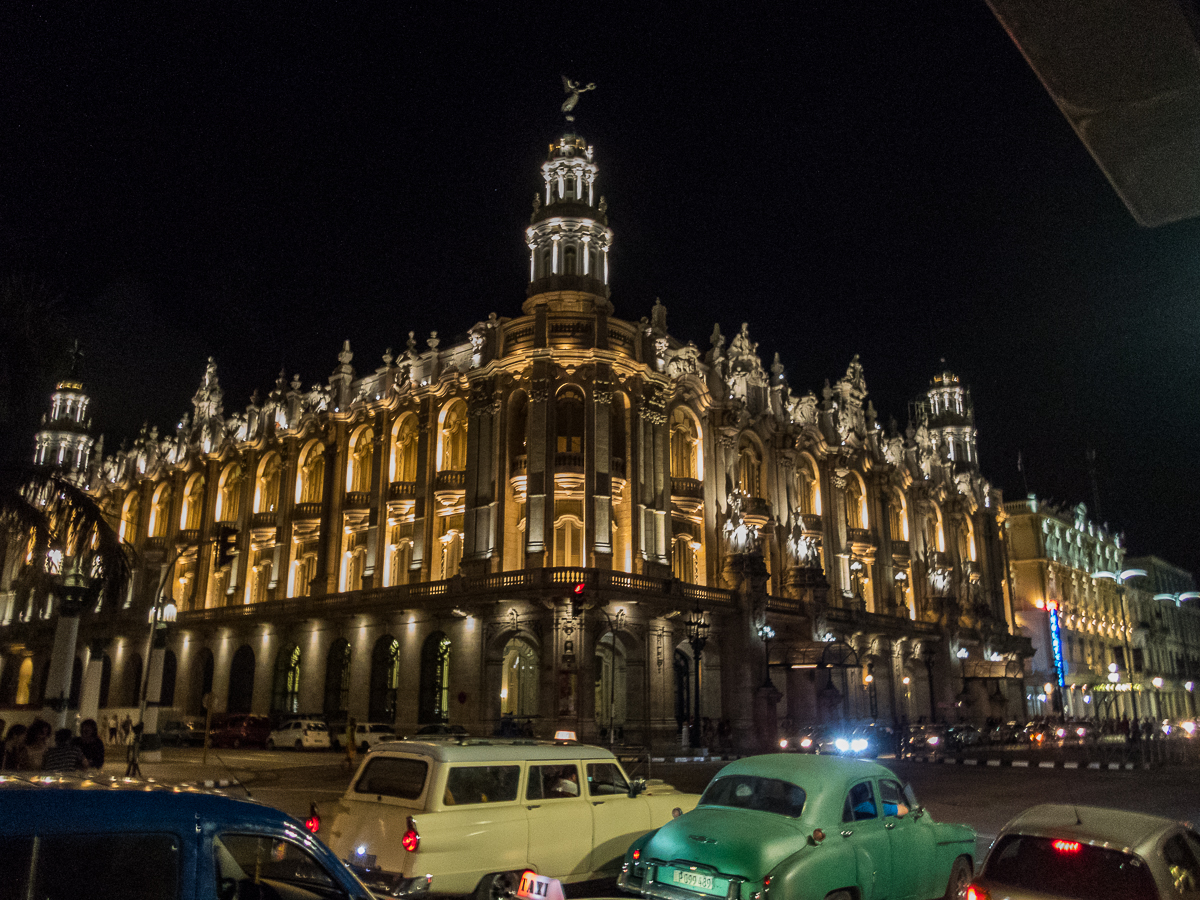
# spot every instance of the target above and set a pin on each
(226, 545)
(577, 598)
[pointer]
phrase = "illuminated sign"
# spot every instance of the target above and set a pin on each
(1056, 643)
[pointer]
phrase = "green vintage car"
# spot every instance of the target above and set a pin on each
(796, 827)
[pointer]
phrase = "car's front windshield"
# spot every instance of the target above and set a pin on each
(752, 792)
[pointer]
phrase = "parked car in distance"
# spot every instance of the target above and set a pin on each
(805, 740)
(143, 840)
(924, 740)
(181, 733)
(1081, 852)
(368, 734)
(796, 827)
(238, 731)
(300, 734)
(461, 817)
(963, 737)
(441, 730)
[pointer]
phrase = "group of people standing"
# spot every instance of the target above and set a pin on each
(31, 748)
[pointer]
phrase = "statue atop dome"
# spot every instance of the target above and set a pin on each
(573, 88)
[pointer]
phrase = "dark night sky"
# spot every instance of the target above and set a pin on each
(200, 180)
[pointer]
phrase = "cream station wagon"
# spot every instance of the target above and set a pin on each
(472, 815)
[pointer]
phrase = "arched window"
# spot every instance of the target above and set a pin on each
(568, 421)
(547, 262)
(170, 672)
(354, 566)
(685, 446)
(452, 438)
(451, 553)
(399, 562)
(749, 468)
(360, 460)
(385, 680)
(610, 682)
(229, 493)
(285, 692)
(266, 487)
(241, 681)
(403, 465)
(131, 514)
(304, 570)
(160, 510)
(808, 487)
(897, 515)
(519, 679)
(568, 541)
(683, 559)
(193, 503)
(433, 704)
(337, 680)
(310, 474)
(260, 580)
(569, 255)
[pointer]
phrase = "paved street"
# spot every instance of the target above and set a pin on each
(984, 797)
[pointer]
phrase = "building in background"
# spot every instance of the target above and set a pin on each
(1108, 644)
(569, 521)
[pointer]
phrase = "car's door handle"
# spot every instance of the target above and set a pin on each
(597, 803)
(535, 806)
(847, 833)
(889, 825)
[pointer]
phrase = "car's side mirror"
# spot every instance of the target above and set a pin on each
(637, 786)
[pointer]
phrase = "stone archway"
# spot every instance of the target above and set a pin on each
(241, 681)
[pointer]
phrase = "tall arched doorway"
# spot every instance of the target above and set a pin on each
(285, 689)
(170, 671)
(385, 680)
(337, 681)
(434, 700)
(519, 679)
(611, 683)
(203, 670)
(241, 681)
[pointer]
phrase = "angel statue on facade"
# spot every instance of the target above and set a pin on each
(573, 88)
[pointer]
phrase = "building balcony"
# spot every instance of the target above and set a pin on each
(357, 500)
(901, 550)
(568, 462)
(520, 465)
(263, 520)
(757, 511)
(402, 490)
(156, 544)
(810, 523)
(307, 511)
(450, 480)
(189, 536)
(687, 488)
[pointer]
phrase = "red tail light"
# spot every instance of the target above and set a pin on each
(975, 892)
(637, 854)
(411, 840)
(313, 822)
(1066, 846)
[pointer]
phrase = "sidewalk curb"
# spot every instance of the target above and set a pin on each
(1026, 763)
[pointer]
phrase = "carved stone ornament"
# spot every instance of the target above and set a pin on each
(684, 361)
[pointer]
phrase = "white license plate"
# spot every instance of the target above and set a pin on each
(692, 879)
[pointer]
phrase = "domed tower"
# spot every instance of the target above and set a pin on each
(568, 234)
(63, 441)
(952, 418)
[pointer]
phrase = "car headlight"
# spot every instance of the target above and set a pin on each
(842, 744)
(933, 740)
(806, 742)
(858, 745)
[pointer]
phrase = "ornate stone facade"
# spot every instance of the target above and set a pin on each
(409, 538)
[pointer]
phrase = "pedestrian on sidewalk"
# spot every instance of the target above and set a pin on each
(64, 756)
(127, 729)
(112, 728)
(31, 751)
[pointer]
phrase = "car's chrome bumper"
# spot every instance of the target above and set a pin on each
(388, 884)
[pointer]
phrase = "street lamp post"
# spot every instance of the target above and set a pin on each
(697, 635)
(766, 632)
(1188, 684)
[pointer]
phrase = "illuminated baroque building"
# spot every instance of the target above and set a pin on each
(1115, 637)
(409, 539)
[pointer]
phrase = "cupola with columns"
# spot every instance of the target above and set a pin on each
(952, 418)
(568, 234)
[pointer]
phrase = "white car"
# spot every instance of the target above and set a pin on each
(302, 734)
(368, 734)
(436, 817)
